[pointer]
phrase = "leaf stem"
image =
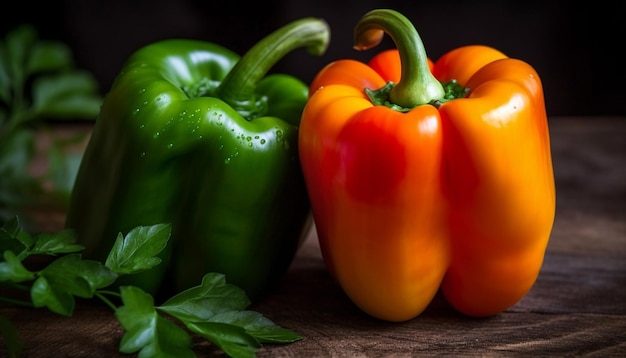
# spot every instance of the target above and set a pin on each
(101, 294)
(16, 302)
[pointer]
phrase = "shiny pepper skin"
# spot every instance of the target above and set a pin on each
(425, 191)
(194, 135)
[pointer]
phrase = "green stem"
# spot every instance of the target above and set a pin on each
(238, 88)
(16, 302)
(417, 85)
(101, 295)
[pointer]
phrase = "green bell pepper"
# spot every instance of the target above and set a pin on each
(193, 135)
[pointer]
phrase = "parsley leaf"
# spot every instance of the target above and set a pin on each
(214, 310)
(57, 243)
(13, 238)
(147, 332)
(232, 339)
(202, 302)
(66, 277)
(39, 83)
(13, 344)
(11, 269)
(137, 251)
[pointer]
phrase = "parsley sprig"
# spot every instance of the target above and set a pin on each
(40, 84)
(214, 310)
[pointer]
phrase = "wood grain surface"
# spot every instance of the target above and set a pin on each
(576, 308)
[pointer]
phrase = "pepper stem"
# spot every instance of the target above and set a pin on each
(417, 85)
(238, 87)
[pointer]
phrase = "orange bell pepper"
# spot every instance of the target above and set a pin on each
(425, 176)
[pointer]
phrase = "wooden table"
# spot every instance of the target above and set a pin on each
(577, 306)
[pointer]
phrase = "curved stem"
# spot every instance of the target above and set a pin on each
(16, 302)
(101, 295)
(417, 85)
(238, 88)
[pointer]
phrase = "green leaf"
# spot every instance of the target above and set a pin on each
(15, 151)
(12, 340)
(7, 243)
(146, 331)
(48, 56)
(233, 340)
(13, 238)
(215, 310)
(203, 302)
(258, 326)
(66, 277)
(11, 269)
(46, 294)
(137, 251)
(4, 114)
(17, 187)
(56, 243)
(78, 277)
(67, 95)
(6, 82)
(12, 227)
(38, 82)
(19, 42)
(63, 168)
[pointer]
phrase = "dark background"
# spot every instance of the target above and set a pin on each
(575, 48)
